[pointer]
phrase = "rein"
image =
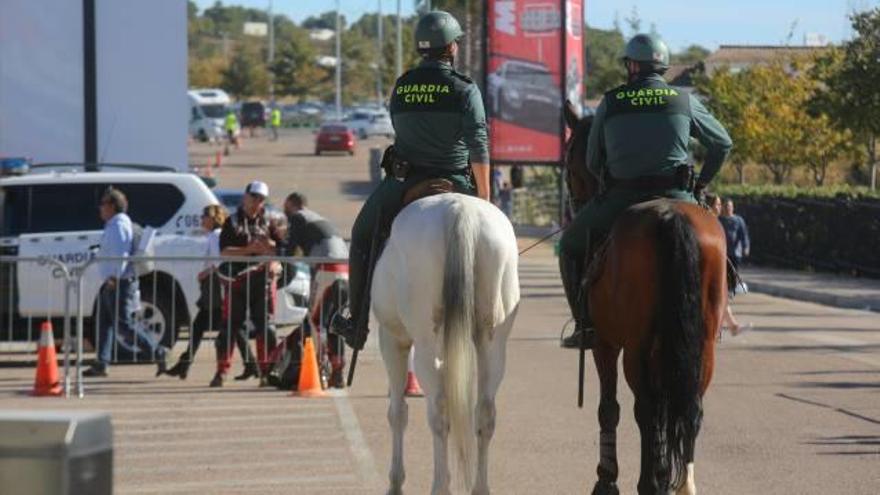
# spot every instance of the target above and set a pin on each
(551, 234)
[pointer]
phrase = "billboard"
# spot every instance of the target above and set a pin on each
(534, 62)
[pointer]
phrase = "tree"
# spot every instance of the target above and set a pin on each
(728, 101)
(327, 20)
(766, 110)
(690, 55)
(296, 72)
(603, 49)
(245, 76)
(852, 93)
(206, 72)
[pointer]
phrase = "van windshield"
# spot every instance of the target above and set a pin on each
(216, 111)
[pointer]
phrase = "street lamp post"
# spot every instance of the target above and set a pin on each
(399, 51)
(381, 56)
(338, 63)
(271, 57)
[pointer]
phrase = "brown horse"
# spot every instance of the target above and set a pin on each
(658, 294)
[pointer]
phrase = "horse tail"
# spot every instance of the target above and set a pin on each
(679, 330)
(458, 338)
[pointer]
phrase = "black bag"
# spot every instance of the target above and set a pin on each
(286, 360)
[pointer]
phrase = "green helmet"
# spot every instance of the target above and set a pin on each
(647, 48)
(437, 29)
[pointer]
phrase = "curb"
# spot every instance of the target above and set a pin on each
(846, 302)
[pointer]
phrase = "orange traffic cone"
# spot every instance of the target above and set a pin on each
(47, 381)
(309, 379)
(218, 160)
(413, 389)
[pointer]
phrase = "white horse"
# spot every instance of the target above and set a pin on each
(447, 283)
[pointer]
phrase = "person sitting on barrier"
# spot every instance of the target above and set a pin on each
(119, 298)
(313, 235)
(210, 302)
(250, 231)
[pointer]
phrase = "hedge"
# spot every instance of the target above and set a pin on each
(830, 230)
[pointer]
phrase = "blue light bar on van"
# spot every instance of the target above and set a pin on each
(14, 166)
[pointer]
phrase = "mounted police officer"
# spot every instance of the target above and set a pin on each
(638, 148)
(441, 137)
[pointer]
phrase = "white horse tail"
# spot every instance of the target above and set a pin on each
(458, 337)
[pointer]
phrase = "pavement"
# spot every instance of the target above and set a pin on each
(822, 288)
(793, 408)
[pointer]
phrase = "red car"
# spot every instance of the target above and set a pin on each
(334, 137)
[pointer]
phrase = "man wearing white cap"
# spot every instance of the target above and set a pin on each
(250, 231)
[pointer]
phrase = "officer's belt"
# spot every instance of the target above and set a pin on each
(403, 169)
(682, 178)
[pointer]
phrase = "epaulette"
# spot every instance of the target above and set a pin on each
(615, 90)
(463, 77)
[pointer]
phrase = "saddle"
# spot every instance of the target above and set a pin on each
(425, 188)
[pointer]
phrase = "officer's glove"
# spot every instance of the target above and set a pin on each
(700, 192)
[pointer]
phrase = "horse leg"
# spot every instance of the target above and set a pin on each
(394, 353)
(491, 357)
(605, 356)
(431, 380)
(648, 480)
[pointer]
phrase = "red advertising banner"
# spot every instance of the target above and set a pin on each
(534, 62)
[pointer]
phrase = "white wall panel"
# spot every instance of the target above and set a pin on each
(143, 110)
(41, 79)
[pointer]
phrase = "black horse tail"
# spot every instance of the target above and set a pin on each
(679, 332)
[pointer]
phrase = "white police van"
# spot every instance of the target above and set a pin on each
(55, 214)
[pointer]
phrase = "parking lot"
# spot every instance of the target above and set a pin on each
(804, 361)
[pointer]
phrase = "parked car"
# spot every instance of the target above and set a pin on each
(334, 137)
(366, 123)
(525, 94)
(253, 114)
(54, 214)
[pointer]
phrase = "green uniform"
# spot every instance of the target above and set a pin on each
(440, 125)
(643, 129)
(276, 118)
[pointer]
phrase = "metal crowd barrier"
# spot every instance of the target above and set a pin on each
(170, 292)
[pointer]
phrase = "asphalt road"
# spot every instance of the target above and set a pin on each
(794, 407)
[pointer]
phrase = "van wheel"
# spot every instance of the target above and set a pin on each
(203, 136)
(155, 317)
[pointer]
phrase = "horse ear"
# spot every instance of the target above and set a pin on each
(571, 115)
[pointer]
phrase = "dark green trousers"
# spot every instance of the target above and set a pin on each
(387, 201)
(599, 215)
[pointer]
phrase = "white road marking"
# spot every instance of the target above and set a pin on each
(352, 430)
(214, 485)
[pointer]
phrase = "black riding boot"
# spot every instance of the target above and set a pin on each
(571, 268)
(354, 328)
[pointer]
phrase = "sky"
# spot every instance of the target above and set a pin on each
(681, 22)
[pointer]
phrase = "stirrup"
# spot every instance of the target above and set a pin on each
(573, 341)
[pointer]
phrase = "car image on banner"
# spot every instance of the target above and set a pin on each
(527, 49)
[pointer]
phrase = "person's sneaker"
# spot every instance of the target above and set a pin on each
(217, 381)
(573, 341)
(95, 371)
(180, 369)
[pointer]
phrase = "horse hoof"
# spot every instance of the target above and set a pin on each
(605, 488)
